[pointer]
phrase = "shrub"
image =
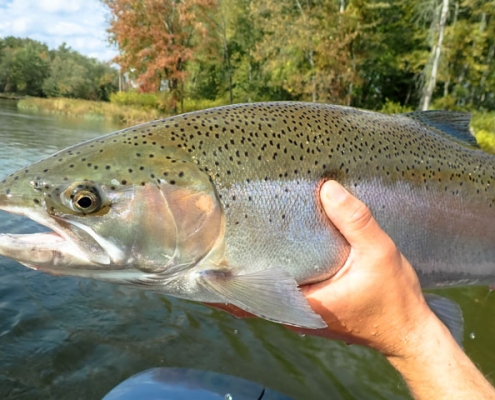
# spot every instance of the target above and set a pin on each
(483, 124)
(147, 101)
(391, 107)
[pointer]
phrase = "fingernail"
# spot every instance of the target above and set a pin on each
(335, 193)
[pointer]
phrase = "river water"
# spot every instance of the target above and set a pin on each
(70, 338)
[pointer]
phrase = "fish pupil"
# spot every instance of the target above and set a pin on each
(85, 202)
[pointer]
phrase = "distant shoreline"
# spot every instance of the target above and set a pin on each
(482, 123)
(11, 96)
(121, 114)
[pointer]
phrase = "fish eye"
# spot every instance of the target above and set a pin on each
(82, 197)
(86, 201)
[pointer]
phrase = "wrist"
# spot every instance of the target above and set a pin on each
(418, 337)
(428, 348)
(434, 366)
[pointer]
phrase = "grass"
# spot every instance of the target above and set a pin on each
(123, 114)
(128, 108)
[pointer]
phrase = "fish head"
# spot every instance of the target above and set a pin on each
(117, 212)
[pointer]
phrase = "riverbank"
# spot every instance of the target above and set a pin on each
(121, 114)
(124, 108)
(10, 96)
(483, 123)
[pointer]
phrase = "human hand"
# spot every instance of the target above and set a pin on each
(375, 298)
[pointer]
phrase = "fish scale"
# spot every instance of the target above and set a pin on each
(223, 204)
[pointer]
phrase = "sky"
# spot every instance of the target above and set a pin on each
(79, 23)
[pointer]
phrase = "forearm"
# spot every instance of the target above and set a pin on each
(435, 367)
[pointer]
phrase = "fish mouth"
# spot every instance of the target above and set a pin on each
(56, 252)
(59, 253)
(44, 251)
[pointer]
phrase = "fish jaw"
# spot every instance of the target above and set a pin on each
(54, 252)
(40, 251)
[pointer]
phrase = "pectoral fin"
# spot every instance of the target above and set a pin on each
(271, 294)
(449, 313)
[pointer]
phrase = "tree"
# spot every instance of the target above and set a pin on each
(77, 76)
(157, 38)
(307, 47)
(24, 65)
(435, 55)
(385, 54)
(27, 67)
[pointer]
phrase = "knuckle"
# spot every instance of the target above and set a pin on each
(389, 250)
(360, 217)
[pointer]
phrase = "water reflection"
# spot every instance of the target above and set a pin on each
(26, 138)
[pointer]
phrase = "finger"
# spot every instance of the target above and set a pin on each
(351, 217)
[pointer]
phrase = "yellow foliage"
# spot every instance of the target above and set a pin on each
(486, 140)
(483, 124)
(135, 99)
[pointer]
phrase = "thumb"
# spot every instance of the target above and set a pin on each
(351, 217)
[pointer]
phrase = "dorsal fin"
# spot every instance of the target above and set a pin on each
(455, 125)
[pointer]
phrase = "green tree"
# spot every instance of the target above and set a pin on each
(27, 67)
(24, 65)
(307, 47)
(77, 76)
(389, 51)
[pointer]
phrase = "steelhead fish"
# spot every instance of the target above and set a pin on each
(222, 205)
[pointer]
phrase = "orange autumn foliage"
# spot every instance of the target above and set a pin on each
(156, 39)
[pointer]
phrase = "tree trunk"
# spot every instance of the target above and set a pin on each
(437, 50)
(486, 72)
(226, 53)
(309, 54)
(454, 22)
